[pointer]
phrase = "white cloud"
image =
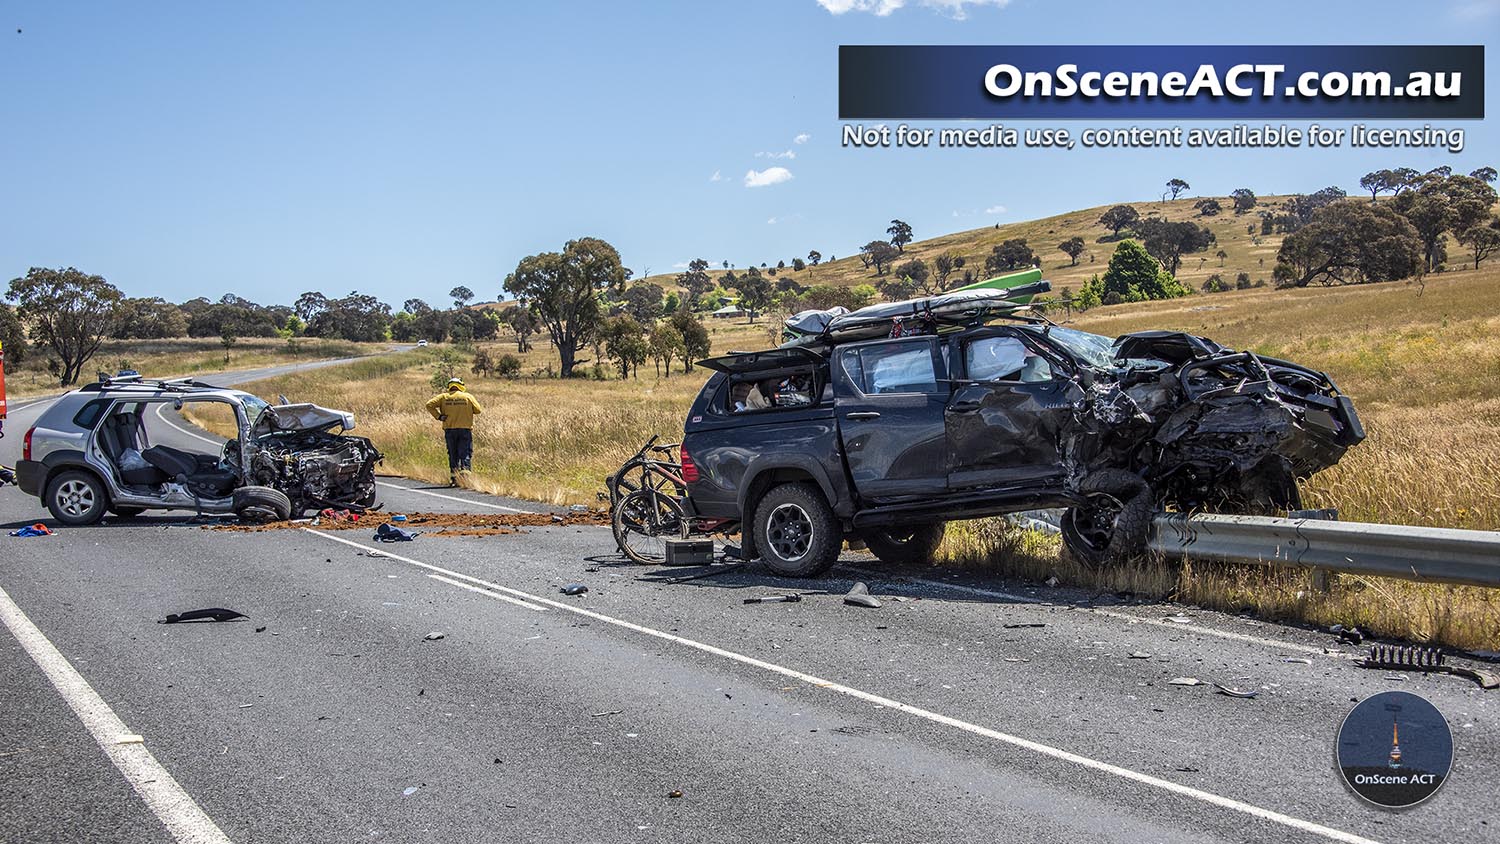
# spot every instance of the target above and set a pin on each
(716, 177)
(787, 154)
(995, 209)
(802, 138)
(771, 222)
(1476, 10)
(956, 9)
(680, 265)
(767, 177)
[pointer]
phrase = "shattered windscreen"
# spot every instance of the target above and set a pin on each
(1092, 349)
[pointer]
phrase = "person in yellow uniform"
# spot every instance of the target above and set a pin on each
(456, 409)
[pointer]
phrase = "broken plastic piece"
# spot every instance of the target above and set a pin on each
(1185, 681)
(1232, 692)
(1024, 624)
(210, 614)
(859, 596)
(1140, 655)
(574, 589)
(434, 636)
(129, 738)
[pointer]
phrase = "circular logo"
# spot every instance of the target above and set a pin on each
(1395, 749)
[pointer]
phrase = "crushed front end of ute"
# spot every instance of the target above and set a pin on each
(1212, 428)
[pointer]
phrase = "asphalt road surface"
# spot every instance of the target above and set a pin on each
(964, 709)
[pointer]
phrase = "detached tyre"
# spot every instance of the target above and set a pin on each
(76, 497)
(261, 504)
(905, 544)
(796, 532)
(1114, 523)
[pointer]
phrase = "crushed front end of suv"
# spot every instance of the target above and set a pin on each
(883, 424)
(92, 453)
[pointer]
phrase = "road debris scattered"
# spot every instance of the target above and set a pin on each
(409, 791)
(260, 630)
(210, 614)
(1233, 692)
(37, 529)
(1185, 681)
(609, 712)
(713, 571)
(390, 533)
(1426, 660)
(674, 794)
(434, 636)
(574, 589)
(443, 524)
(1023, 624)
(1140, 655)
(859, 596)
(1178, 619)
(775, 599)
(1301, 660)
(129, 738)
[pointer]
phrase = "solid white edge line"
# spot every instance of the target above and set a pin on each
(1122, 616)
(162, 406)
(1015, 741)
(177, 811)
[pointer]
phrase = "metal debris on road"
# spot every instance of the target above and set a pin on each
(1301, 660)
(859, 596)
(610, 712)
(1140, 655)
(1185, 681)
(574, 589)
(129, 738)
(409, 791)
(674, 794)
(260, 630)
(1023, 624)
(210, 614)
(1233, 692)
(1178, 619)
(775, 599)
(434, 636)
(1426, 660)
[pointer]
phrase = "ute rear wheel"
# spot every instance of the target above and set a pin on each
(1114, 523)
(76, 497)
(905, 544)
(261, 504)
(796, 533)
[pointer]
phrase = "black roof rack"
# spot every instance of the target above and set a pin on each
(155, 385)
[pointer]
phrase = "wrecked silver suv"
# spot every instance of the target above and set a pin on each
(91, 452)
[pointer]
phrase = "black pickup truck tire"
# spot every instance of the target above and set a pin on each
(796, 532)
(905, 544)
(1115, 525)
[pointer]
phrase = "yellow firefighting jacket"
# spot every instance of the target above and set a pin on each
(455, 409)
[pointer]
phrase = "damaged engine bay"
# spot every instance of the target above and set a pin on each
(296, 449)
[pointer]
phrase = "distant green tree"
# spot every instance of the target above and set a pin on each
(1348, 243)
(695, 340)
(1208, 207)
(1244, 199)
(643, 301)
(814, 257)
(900, 235)
(1482, 240)
(1010, 255)
(1168, 242)
(1072, 247)
(461, 296)
(665, 345)
(12, 335)
(1177, 186)
(563, 290)
(879, 254)
(66, 311)
(1134, 275)
(625, 343)
(1119, 217)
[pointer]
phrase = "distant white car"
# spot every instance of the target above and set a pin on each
(421, 343)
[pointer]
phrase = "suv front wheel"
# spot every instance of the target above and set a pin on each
(796, 532)
(76, 497)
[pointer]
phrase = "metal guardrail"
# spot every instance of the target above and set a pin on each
(1427, 554)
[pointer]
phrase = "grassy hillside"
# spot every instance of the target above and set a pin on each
(1045, 234)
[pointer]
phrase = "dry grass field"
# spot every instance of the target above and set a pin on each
(1421, 361)
(177, 357)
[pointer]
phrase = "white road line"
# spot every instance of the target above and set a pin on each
(1127, 617)
(452, 498)
(162, 406)
(167, 800)
(1006, 738)
(487, 593)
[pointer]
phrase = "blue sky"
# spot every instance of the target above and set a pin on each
(265, 149)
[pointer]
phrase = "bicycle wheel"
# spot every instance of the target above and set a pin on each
(636, 474)
(644, 521)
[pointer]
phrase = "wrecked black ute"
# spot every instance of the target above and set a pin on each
(881, 427)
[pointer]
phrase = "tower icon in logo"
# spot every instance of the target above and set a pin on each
(1395, 760)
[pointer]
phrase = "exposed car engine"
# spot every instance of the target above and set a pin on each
(295, 450)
